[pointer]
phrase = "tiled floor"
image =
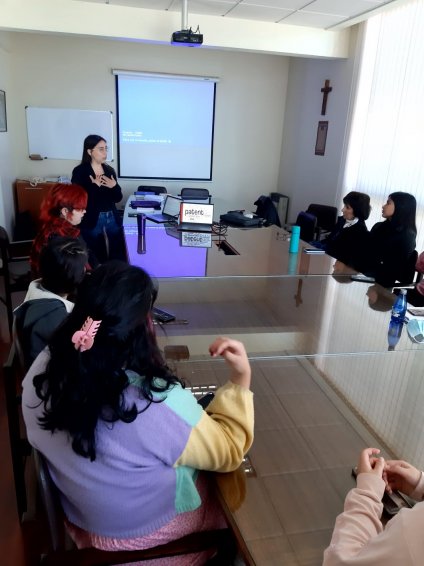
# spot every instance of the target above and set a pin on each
(306, 442)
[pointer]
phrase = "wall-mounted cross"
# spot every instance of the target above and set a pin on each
(325, 90)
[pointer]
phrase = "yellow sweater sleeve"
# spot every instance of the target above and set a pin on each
(223, 434)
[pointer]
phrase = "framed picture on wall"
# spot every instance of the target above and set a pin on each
(321, 138)
(3, 121)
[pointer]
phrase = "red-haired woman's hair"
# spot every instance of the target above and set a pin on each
(60, 196)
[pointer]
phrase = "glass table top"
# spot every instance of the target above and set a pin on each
(298, 316)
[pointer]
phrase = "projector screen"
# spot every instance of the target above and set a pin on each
(165, 126)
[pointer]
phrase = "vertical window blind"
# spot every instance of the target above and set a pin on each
(385, 148)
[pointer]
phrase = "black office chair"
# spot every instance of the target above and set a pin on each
(63, 551)
(19, 446)
(13, 253)
(409, 274)
(308, 225)
(326, 219)
(195, 195)
(152, 189)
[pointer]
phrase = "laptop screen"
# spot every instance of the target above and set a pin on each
(193, 213)
(171, 206)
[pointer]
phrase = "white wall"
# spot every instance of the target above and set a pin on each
(304, 176)
(6, 173)
(67, 72)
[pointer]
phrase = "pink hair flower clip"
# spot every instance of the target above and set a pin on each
(84, 338)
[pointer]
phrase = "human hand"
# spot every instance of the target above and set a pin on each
(107, 182)
(235, 355)
(369, 462)
(96, 180)
(401, 476)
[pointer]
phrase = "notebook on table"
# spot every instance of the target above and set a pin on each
(170, 211)
(195, 217)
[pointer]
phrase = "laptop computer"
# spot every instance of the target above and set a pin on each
(195, 217)
(170, 211)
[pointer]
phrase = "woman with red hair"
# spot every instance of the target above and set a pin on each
(61, 213)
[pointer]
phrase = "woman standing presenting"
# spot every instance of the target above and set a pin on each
(101, 220)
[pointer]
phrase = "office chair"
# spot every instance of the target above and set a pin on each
(13, 253)
(308, 226)
(326, 219)
(63, 551)
(19, 446)
(152, 189)
(195, 195)
(409, 274)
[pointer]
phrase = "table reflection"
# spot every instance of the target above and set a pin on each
(168, 252)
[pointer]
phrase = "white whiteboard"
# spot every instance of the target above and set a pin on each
(59, 133)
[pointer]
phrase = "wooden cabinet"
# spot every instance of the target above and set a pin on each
(28, 198)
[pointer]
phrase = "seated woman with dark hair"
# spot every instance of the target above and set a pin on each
(62, 268)
(348, 241)
(391, 250)
(122, 435)
(60, 213)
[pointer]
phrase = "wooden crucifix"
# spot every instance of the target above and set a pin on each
(325, 92)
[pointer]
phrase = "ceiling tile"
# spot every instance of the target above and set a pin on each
(260, 13)
(205, 7)
(311, 19)
(282, 4)
(344, 8)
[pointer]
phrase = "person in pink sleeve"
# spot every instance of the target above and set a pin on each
(359, 538)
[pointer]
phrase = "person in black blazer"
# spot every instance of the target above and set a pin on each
(101, 218)
(391, 256)
(348, 241)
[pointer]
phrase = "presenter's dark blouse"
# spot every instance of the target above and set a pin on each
(100, 199)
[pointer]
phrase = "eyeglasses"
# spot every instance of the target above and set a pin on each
(102, 148)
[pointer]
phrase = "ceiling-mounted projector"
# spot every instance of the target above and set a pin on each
(187, 37)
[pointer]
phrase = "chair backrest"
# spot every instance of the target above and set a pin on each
(408, 274)
(266, 209)
(13, 252)
(152, 189)
(19, 446)
(308, 224)
(326, 216)
(4, 250)
(193, 194)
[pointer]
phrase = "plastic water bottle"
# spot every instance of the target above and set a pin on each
(399, 308)
(394, 334)
(294, 240)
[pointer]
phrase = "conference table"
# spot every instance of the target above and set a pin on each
(164, 251)
(325, 383)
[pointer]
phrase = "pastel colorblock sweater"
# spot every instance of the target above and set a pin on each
(144, 472)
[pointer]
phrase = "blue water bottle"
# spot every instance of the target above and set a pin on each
(399, 308)
(294, 240)
(394, 334)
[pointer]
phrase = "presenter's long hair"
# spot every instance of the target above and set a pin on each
(405, 212)
(90, 142)
(79, 388)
